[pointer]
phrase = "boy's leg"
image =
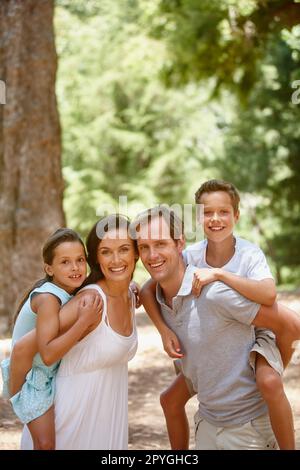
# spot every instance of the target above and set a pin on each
(173, 401)
(21, 359)
(42, 430)
(270, 385)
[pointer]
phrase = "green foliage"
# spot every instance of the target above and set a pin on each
(123, 132)
(262, 149)
(225, 40)
(226, 110)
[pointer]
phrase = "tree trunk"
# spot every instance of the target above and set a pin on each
(31, 184)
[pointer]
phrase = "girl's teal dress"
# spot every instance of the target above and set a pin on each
(37, 393)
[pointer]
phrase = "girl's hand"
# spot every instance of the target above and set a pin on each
(90, 308)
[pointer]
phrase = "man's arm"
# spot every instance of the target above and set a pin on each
(169, 339)
(284, 322)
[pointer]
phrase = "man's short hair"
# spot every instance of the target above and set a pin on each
(174, 222)
(212, 186)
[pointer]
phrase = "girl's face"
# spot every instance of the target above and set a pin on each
(116, 255)
(68, 268)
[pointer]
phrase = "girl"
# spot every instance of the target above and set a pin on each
(65, 268)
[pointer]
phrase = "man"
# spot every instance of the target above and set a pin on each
(217, 335)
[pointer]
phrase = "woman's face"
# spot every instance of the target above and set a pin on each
(116, 255)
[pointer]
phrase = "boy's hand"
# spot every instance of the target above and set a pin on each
(202, 277)
(136, 290)
(90, 309)
(171, 344)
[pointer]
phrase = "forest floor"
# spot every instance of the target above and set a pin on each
(150, 372)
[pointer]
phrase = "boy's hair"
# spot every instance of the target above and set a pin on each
(212, 186)
(61, 235)
(174, 222)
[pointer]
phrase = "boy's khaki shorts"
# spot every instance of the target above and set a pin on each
(178, 369)
(265, 345)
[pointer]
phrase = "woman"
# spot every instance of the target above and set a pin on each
(91, 401)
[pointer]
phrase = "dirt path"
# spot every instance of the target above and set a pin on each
(150, 372)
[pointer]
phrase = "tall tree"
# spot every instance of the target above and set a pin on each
(31, 182)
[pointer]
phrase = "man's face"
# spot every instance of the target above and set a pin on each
(160, 254)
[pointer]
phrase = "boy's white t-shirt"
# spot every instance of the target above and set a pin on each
(248, 260)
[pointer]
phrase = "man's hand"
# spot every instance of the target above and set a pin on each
(171, 343)
(202, 277)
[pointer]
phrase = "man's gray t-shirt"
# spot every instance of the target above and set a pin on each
(216, 335)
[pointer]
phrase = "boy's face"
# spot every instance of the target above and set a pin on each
(219, 216)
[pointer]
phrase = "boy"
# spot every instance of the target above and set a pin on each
(243, 267)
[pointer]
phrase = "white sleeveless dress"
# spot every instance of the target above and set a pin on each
(91, 399)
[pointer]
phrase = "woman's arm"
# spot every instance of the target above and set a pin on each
(21, 359)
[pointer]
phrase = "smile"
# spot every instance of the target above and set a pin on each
(75, 276)
(156, 265)
(118, 270)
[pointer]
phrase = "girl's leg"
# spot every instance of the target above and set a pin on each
(270, 386)
(21, 361)
(42, 430)
(173, 401)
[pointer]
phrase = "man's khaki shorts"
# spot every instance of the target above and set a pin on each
(256, 434)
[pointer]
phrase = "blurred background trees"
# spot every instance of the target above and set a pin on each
(154, 96)
(157, 96)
